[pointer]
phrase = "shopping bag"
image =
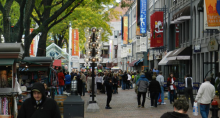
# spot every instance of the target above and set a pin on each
(160, 99)
(195, 109)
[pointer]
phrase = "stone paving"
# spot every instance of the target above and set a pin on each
(124, 105)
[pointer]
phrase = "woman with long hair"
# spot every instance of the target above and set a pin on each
(171, 87)
(99, 81)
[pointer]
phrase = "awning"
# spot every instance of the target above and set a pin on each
(181, 54)
(133, 63)
(6, 62)
(165, 60)
(180, 16)
(141, 60)
(57, 62)
(34, 69)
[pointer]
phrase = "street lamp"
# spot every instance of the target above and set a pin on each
(93, 46)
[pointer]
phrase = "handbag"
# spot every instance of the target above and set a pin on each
(160, 99)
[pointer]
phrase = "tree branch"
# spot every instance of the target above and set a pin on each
(54, 23)
(56, 4)
(1, 7)
(35, 19)
(38, 13)
(21, 21)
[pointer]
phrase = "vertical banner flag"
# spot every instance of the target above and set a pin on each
(177, 35)
(157, 29)
(218, 7)
(122, 31)
(213, 18)
(31, 51)
(129, 50)
(75, 42)
(152, 33)
(125, 28)
(111, 49)
(143, 19)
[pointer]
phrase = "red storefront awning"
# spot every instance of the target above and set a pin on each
(133, 63)
(57, 62)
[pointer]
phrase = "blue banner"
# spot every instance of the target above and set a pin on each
(143, 19)
(218, 6)
(196, 85)
(181, 86)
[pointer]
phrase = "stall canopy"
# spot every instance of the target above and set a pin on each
(165, 61)
(181, 54)
(133, 63)
(6, 62)
(140, 60)
(180, 16)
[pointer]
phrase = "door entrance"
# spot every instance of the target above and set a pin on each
(210, 69)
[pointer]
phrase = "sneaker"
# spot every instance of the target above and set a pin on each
(139, 106)
(108, 107)
(158, 103)
(163, 103)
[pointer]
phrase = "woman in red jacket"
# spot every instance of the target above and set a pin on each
(61, 82)
(171, 87)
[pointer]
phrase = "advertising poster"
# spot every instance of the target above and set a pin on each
(75, 42)
(32, 44)
(212, 18)
(143, 18)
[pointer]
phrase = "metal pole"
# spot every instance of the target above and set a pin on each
(93, 69)
(70, 40)
(191, 21)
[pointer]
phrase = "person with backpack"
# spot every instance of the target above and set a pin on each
(189, 88)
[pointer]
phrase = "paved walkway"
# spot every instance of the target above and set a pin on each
(124, 105)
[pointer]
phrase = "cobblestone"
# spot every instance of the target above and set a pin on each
(124, 105)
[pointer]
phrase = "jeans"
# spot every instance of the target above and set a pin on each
(161, 94)
(83, 88)
(204, 110)
(131, 85)
(153, 98)
(60, 90)
(124, 85)
(115, 88)
(128, 85)
(143, 94)
(68, 88)
(189, 93)
(109, 98)
(172, 96)
(121, 83)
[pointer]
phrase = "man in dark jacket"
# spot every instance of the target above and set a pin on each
(154, 89)
(108, 84)
(180, 106)
(68, 82)
(39, 106)
(148, 75)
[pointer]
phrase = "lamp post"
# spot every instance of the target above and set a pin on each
(93, 46)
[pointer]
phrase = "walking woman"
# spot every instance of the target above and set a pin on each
(154, 89)
(99, 81)
(171, 87)
(115, 83)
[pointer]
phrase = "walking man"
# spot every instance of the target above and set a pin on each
(204, 96)
(189, 88)
(108, 84)
(83, 78)
(160, 79)
(39, 106)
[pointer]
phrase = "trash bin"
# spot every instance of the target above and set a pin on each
(73, 107)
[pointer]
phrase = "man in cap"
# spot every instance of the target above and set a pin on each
(39, 106)
(204, 96)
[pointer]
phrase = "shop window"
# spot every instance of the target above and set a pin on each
(5, 76)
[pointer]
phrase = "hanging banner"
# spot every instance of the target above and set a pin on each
(152, 30)
(177, 35)
(213, 18)
(125, 28)
(138, 45)
(75, 42)
(143, 44)
(111, 49)
(157, 29)
(31, 51)
(218, 7)
(129, 50)
(143, 19)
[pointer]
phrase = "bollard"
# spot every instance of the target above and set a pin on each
(214, 109)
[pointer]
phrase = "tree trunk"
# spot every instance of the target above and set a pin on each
(42, 44)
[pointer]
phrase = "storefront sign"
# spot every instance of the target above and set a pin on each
(125, 28)
(218, 6)
(129, 50)
(138, 45)
(75, 42)
(143, 44)
(143, 20)
(213, 45)
(197, 48)
(157, 29)
(196, 85)
(213, 18)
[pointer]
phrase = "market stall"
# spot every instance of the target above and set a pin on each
(10, 54)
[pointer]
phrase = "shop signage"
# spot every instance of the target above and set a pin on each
(143, 44)
(138, 46)
(197, 48)
(125, 28)
(75, 42)
(129, 50)
(213, 45)
(143, 20)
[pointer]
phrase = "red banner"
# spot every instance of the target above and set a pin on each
(32, 44)
(75, 42)
(177, 35)
(157, 29)
(125, 33)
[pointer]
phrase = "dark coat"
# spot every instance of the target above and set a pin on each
(108, 86)
(125, 77)
(174, 115)
(46, 109)
(115, 81)
(154, 86)
(148, 76)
